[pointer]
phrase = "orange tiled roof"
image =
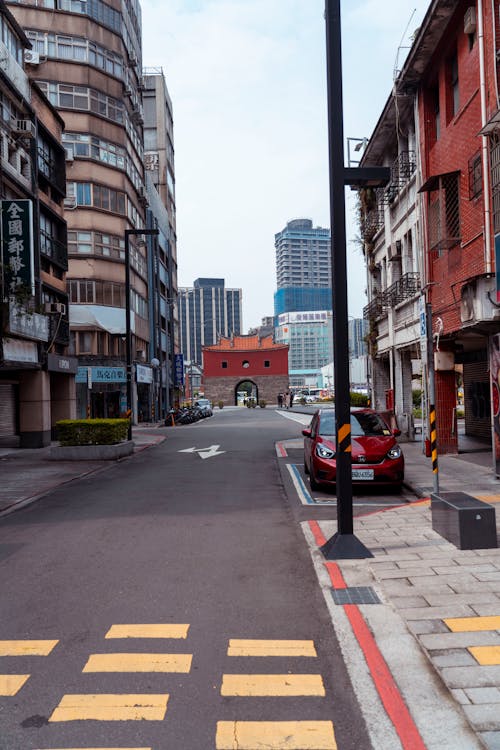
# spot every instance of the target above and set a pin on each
(237, 343)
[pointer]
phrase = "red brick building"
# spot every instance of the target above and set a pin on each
(245, 363)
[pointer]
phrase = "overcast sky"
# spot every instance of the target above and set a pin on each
(247, 80)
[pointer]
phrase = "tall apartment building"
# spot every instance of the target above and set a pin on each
(86, 58)
(207, 311)
(303, 268)
(37, 385)
(303, 300)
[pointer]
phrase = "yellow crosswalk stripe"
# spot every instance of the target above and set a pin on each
(247, 647)
(138, 663)
(275, 735)
(470, 624)
(148, 631)
(111, 707)
(26, 648)
(272, 684)
(486, 656)
(10, 684)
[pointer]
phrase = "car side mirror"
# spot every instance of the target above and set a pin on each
(306, 433)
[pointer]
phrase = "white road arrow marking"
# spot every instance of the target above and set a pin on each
(212, 450)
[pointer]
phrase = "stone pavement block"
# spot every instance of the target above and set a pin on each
(453, 658)
(405, 573)
(423, 627)
(404, 602)
(436, 613)
(485, 717)
(463, 587)
(487, 610)
(452, 581)
(492, 576)
(494, 552)
(445, 640)
(491, 740)
(460, 696)
(398, 587)
(472, 598)
(483, 695)
(430, 586)
(468, 677)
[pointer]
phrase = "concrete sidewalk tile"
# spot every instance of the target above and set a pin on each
(491, 740)
(446, 640)
(425, 627)
(454, 658)
(460, 696)
(404, 602)
(450, 581)
(492, 576)
(485, 717)
(494, 551)
(463, 587)
(405, 573)
(397, 587)
(383, 565)
(487, 609)
(468, 677)
(483, 695)
(436, 613)
(430, 586)
(472, 598)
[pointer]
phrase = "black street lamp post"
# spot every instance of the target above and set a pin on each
(128, 335)
(343, 544)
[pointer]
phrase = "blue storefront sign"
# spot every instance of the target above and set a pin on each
(101, 375)
(178, 370)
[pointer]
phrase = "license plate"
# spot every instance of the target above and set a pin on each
(363, 474)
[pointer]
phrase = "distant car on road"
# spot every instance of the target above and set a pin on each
(205, 406)
(376, 456)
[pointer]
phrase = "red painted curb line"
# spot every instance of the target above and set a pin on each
(386, 687)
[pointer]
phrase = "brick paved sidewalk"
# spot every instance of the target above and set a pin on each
(448, 598)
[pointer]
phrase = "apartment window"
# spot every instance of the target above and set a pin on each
(84, 292)
(267, 363)
(223, 364)
(83, 98)
(453, 97)
(475, 176)
(443, 211)
(88, 194)
(84, 342)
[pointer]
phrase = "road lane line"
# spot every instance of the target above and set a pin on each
(272, 684)
(300, 487)
(472, 624)
(486, 656)
(148, 631)
(10, 684)
(139, 663)
(111, 707)
(247, 647)
(26, 648)
(275, 735)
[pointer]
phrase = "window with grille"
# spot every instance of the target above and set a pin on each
(475, 176)
(443, 211)
(495, 179)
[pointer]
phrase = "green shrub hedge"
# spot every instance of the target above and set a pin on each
(92, 431)
(359, 399)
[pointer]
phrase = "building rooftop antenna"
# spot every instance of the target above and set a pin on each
(397, 70)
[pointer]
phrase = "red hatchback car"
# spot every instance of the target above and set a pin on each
(376, 456)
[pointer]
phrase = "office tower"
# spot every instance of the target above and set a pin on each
(358, 329)
(207, 311)
(303, 300)
(87, 60)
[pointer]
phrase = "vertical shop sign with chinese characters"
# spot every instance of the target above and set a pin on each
(17, 247)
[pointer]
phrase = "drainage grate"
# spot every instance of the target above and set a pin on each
(355, 595)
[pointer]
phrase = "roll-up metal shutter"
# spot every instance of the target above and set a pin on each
(477, 399)
(8, 394)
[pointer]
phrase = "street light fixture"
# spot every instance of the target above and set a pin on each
(128, 334)
(343, 545)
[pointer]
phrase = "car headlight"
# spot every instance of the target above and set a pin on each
(395, 452)
(324, 452)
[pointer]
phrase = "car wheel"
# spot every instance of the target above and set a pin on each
(306, 467)
(314, 485)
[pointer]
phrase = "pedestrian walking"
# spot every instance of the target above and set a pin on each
(287, 398)
(291, 399)
(280, 400)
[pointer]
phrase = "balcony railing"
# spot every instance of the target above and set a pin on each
(402, 289)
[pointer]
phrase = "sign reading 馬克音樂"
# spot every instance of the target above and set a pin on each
(17, 247)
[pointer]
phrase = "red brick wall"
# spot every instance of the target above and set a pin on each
(445, 388)
(256, 358)
(453, 150)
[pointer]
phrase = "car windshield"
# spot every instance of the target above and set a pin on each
(362, 423)
(203, 402)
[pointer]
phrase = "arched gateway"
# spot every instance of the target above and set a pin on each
(235, 365)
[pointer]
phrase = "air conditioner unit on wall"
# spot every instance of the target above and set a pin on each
(476, 303)
(31, 57)
(55, 308)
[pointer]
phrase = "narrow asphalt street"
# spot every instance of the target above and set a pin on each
(196, 538)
